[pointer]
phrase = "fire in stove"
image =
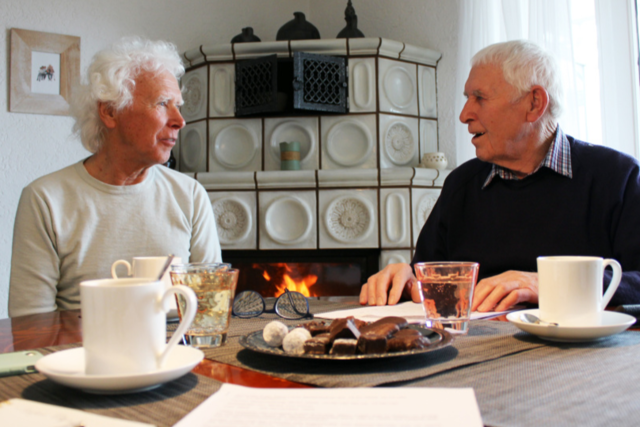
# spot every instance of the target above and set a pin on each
(310, 279)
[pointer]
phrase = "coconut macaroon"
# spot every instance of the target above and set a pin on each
(294, 341)
(274, 333)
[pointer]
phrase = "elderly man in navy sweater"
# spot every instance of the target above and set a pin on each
(531, 191)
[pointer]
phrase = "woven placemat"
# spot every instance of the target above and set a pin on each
(163, 406)
(557, 384)
(487, 340)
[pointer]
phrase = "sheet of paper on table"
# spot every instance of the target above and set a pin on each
(413, 312)
(236, 406)
(27, 413)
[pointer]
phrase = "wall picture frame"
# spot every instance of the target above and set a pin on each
(45, 69)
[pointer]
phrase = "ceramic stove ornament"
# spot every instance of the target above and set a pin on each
(298, 29)
(434, 161)
(245, 36)
(351, 31)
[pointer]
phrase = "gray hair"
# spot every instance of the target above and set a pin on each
(525, 64)
(111, 79)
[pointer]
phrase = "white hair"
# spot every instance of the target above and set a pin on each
(111, 79)
(525, 64)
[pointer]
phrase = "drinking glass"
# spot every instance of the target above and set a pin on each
(447, 290)
(214, 285)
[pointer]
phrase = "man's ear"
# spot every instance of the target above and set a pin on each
(107, 114)
(539, 102)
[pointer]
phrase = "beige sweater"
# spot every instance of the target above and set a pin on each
(71, 227)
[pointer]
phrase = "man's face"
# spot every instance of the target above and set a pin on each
(148, 128)
(495, 119)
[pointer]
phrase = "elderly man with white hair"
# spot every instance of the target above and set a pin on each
(531, 191)
(120, 202)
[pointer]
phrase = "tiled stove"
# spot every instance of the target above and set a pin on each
(360, 185)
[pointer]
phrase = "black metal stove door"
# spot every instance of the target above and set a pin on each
(320, 82)
(257, 85)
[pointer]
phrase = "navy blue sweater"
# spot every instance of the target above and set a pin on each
(508, 224)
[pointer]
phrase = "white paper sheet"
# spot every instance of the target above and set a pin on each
(413, 312)
(27, 413)
(236, 406)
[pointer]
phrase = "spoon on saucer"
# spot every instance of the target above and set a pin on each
(530, 318)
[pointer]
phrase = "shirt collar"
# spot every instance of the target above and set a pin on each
(558, 159)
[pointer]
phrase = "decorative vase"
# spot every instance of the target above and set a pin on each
(434, 161)
(290, 156)
(245, 36)
(298, 29)
(351, 31)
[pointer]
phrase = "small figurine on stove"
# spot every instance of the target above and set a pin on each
(351, 31)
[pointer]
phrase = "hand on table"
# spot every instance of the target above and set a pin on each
(399, 277)
(501, 292)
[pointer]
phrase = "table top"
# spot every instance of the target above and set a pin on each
(518, 378)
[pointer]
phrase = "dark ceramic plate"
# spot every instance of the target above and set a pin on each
(438, 338)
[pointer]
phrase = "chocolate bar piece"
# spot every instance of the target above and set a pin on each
(340, 329)
(371, 343)
(405, 343)
(400, 322)
(318, 345)
(316, 327)
(407, 333)
(344, 346)
(384, 329)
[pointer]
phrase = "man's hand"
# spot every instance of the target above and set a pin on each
(397, 276)
(501, 292)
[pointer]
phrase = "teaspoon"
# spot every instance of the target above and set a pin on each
(530, 318)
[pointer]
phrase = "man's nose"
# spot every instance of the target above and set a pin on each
(465, 114)
(176, 119)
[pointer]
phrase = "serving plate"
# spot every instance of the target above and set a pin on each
(438, 339)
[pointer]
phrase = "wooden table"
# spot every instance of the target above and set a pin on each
(64, 327)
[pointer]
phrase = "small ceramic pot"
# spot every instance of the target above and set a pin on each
(434, 161)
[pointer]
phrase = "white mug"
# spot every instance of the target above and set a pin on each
(570, 289)
(148, 267)
(124, 324)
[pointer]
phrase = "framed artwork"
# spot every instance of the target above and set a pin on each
(45, 68)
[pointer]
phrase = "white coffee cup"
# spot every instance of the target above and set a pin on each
(148, 267)
(124, 324)
(570, 289)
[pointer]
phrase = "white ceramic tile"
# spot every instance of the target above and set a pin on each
(254, 50)
(322, 46)
(428, 136)
(236, 218)
(235, 145)
(396, 177)
(393, 257)
(423, 200)
(390, 48)
(420, 55)
(395, 220)
(286, 179)
(362, 85)
(194, 94)
(288, 220)
(349, 142)
(301, 129)
(353, 178)
(222, 95)
(348, 219)
(398, 141)
(424, 177)
(442, 175)
(227, 180)
(427, 91)
(364, 46)
(220, 52)
(193, 57)
(193, 147)
(397, 87)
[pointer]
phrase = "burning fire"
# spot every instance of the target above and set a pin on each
(291, 282)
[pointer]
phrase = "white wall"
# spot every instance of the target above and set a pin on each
(33, 145)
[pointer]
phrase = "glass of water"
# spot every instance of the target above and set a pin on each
(215, 286)
(447, 290)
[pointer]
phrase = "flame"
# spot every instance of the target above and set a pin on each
(266, 276)
(301, 286)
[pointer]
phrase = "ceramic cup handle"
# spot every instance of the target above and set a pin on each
(116, 264)
(615, 280)
(186, 318)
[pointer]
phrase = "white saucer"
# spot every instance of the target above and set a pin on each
(612, 323)
(67, 368)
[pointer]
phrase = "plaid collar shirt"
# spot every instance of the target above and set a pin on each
(558, 159)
